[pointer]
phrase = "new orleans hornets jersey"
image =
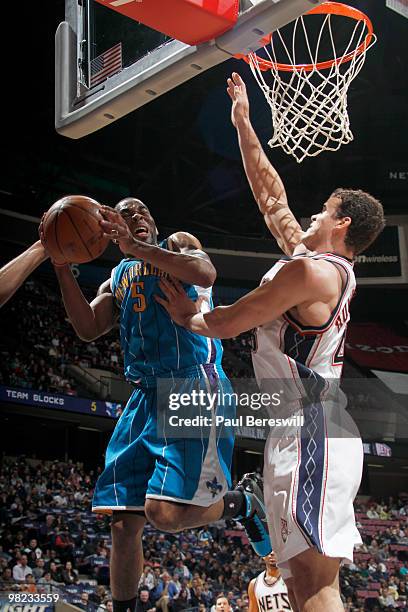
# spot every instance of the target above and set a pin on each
(151, 342)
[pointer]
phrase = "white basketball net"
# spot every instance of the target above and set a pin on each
(309, 109)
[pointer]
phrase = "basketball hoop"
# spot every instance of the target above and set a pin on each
(309, 100)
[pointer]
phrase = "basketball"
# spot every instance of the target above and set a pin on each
(71, 230)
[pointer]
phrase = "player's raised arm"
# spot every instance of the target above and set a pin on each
(14, 273)
(265, 182)
(90, 320)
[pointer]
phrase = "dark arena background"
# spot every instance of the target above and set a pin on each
(60, 397)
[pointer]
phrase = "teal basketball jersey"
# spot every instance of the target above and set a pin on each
(151, 342)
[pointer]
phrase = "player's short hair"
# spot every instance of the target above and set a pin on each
(128, 200)
(367, 217)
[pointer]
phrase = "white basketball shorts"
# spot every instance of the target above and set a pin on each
(311, 477)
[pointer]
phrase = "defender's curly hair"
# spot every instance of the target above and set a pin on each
(366, 214)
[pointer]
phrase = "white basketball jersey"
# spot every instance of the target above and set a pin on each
(271, 598)
(286, 349)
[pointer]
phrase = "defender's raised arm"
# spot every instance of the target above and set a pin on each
(265, 182)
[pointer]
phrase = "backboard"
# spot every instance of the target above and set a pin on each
(107, 65)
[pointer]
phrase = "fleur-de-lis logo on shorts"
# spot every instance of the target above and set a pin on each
(214, 486)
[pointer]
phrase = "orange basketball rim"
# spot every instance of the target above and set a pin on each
(327, 8)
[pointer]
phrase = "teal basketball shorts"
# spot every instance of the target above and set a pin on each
(143, 461)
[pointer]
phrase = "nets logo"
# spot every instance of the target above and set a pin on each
(398, 175)
(284, 529)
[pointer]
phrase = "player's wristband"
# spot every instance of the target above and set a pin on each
(59, 265)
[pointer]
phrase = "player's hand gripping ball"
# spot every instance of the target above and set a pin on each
(71, 231)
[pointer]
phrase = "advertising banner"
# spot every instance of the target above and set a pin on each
(377, 346)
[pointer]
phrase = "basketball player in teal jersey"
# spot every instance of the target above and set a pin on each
(176, 483)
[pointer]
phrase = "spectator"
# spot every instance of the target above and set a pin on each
(147, 578)
(47, 528)
(98, 596)
(180, 601)
(403, 570)
(174, 587)
(143, 602)
(61, 500)
(386, 599)
(181, 570)
(372, 513)
(206, 595)
(197, 597)
(99, 559)
(6, 579)
(55, 572)
(29, 586)
(84, 544)
(38, 570)
(34, 549)
(222, 604)
(68, 574)
(63, 544)
(77, 525)
(204, 536)
(84, 604)
(161, 592)
(106, 607)
(47, 580)
(21, 570)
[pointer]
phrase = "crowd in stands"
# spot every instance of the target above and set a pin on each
(50, 541)
(38, 343)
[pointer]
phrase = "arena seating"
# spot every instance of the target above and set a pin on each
(45, 515)
(31, 358)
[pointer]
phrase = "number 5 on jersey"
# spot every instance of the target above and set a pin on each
(136, 289)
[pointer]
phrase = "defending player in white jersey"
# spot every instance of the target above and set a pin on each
(301, 313)
(268, 591)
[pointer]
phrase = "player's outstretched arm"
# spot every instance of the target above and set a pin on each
(14, 273)
(185, 260)
(299, 282)
(264, 180)
(90, 321)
